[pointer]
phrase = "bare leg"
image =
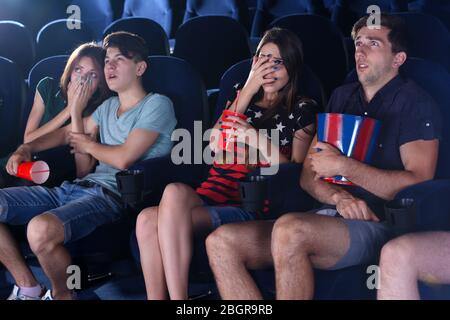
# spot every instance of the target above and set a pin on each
(301, 242)
(151, 260)
(46, 237)
(407, 259)
(235, 248)
(13, 260)
(181, 215)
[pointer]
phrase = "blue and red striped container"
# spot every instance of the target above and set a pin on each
(354, 136)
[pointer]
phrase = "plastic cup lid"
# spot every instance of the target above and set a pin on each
(40, 172)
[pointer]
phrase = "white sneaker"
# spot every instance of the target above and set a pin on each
(48, 295)
(16, 295)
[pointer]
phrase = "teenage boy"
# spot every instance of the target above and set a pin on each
(133, 126)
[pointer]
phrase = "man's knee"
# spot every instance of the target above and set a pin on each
(222, 244)
(290, 234)
(147, 223)
(44, 232)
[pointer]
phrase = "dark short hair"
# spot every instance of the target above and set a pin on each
(398, 35)
(129, 44)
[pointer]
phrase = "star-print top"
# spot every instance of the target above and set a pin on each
(221, 188)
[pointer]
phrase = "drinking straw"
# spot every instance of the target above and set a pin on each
(237, 100)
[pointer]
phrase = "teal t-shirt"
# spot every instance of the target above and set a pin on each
(153, 113)
(51, 94)
(54, 101)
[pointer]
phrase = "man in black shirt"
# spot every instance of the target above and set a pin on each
(348, 229)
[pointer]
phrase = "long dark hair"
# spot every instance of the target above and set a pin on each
(291, 52)
(97, 54)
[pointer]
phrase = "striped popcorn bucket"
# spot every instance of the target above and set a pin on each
(354, 136)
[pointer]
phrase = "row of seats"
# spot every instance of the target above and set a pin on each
(172, 13)
(213, 43)
(254, 15)
(223, 42)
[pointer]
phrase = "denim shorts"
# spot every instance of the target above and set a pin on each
(366, 240)
(224, 215)
(81, 208)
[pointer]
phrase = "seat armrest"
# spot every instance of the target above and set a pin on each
(432, 200)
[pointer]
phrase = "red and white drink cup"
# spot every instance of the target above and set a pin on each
(226, 135)
(36, 171)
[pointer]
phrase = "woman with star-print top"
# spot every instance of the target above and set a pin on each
(270, 100)
(293, 128)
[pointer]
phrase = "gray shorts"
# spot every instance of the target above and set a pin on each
(366, 240)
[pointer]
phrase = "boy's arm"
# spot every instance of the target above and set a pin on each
(158, 117)
(87, 126)
(120, 156)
